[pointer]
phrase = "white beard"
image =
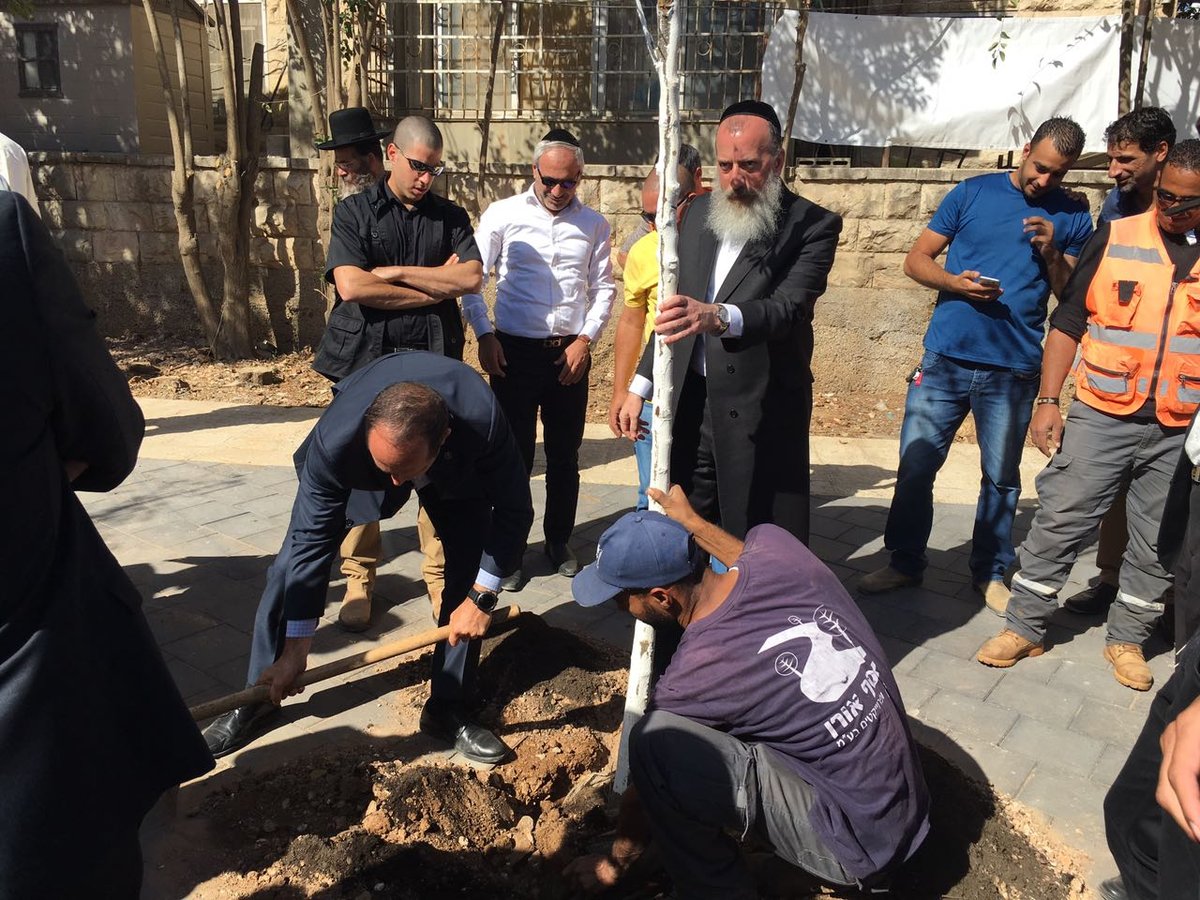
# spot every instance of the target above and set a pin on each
(749, 220)
(356, 184)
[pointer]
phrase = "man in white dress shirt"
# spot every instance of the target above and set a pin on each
(554, 293)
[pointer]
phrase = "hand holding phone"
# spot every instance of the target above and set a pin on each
(989, 282)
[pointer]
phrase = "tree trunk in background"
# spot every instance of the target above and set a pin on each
(183, 189)
(1147, 12)
(798, 84)
(485, 126)
(666, 62)
(1125, 58)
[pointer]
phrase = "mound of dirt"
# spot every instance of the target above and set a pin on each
(364, 822)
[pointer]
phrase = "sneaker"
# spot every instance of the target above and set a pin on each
(1093, 600)
(995, 595)
(1129, 666)
(886, 579)
(355, 614)
(1006, 649)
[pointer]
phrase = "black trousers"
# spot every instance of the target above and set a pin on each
(1156, 858)
(530, 384)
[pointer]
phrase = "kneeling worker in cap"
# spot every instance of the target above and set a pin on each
(777, 716)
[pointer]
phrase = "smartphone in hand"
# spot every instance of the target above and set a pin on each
(988, 282)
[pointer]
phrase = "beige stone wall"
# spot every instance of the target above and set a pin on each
(114, 218)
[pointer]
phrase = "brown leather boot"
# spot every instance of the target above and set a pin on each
(355, 614)
(1006, 649)
(1129, 666)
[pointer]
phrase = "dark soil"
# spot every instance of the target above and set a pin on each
(361, 823)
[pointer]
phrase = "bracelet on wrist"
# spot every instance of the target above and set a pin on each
(1042, 401)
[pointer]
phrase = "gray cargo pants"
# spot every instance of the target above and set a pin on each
(697, 785)
(1075, 490)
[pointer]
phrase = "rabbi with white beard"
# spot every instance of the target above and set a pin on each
(753, 259)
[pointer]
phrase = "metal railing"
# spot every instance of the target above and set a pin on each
(582, 59)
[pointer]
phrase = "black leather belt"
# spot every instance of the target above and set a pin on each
(549, 343)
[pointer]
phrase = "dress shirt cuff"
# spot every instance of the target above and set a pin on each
(642, 386)
(736, 323)
(590, 330)
(301, 628)
(476, 312)
(488, 580)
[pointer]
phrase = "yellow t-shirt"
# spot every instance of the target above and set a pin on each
(641, 279)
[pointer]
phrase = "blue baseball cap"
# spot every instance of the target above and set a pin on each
(642, 549)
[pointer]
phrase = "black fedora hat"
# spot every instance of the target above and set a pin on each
(349, 126)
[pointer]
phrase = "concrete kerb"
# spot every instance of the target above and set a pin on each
(193, 451)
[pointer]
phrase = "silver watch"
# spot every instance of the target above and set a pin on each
(723, 318)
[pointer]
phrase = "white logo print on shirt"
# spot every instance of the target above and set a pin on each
(828, 672)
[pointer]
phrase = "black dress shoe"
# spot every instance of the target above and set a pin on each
(513, 582)
(1092, 601)
(1113, 889)
(235, 729)
(562, 557)
(473, 741)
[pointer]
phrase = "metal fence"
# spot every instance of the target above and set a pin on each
(583, 59)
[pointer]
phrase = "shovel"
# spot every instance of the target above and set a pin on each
(505, 616)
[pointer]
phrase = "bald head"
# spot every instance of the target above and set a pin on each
(416, 131)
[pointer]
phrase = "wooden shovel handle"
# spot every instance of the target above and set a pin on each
(504, 616)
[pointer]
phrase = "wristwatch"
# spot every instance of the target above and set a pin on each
(485, 600)
(722, 318)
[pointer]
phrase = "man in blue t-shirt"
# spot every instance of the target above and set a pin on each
(778, 714)
(1012, 238)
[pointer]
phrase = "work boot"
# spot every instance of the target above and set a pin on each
(1006, 649)
(1092, 600)
(886, 579)
(355, 614)
(1129, 666)
(995, 595)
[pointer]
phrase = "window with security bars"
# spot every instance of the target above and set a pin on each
(37, 60)
(580, 59)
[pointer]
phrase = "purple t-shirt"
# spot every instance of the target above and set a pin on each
(789, 661)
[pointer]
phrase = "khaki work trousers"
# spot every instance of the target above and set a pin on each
(361, 549)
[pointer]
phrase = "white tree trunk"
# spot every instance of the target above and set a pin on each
(666, 61)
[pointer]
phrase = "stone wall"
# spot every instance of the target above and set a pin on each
(114, 217)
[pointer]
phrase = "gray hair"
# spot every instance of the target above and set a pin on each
(417, 130)
(543, 146)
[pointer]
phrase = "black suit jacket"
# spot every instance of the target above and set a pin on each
(340, 486)
(1179, 547)
(759, 384)
(90, 718)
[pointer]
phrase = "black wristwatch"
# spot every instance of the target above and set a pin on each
(485, 600)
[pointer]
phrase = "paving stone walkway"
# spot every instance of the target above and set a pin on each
(198, 522)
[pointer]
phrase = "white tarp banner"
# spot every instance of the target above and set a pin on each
(930, 82)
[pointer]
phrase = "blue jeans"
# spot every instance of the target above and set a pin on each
(1001, 400)
(641, 453)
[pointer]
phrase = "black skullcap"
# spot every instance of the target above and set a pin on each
(753, 108)
(560, 136)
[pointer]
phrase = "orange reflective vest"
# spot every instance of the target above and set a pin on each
(1143, 335)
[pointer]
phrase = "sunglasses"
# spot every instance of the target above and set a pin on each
(425, 168)
(651, 219)
(1173, 199)
(568, 184)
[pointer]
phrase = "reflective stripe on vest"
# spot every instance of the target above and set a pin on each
(1137, 254)
(1143, 329)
